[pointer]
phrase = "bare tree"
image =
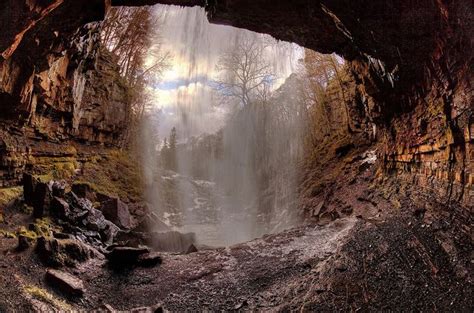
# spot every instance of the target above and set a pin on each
(245, 74)
(132, 35)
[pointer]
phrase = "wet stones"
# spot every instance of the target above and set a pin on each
(65, 282)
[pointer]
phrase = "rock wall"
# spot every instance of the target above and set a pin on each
(57, 101)
(411, 60)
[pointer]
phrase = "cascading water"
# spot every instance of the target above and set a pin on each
(225, 170)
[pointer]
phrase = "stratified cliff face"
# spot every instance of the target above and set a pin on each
(58, 89)
(411, 60)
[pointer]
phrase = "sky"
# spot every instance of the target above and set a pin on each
(184, 96)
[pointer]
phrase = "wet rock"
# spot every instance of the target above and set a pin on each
(95, 220)
(117, 212)
(109, 233)
(149, 259)
(65, 282)
(126, 255)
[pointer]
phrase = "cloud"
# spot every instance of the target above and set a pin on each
(182, 82)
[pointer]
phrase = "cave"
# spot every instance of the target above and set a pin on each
(406, 161)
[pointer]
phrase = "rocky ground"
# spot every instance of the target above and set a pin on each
(368, 247)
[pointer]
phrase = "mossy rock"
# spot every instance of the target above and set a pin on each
(44, 296)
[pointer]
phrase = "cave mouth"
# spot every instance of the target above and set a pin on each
(124, 163)
(221, 131)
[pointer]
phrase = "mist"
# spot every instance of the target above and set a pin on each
(229, 171)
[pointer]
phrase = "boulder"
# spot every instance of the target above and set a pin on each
(83, 190)
(59, 207)
(192, 248)
(117, 212)
(65, 282)
(37, 194)
(95, 220)
(109, 233)
(29, 185)
(126, 255)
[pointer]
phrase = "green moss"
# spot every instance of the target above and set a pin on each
(22, 231)
(40, 228)
(44, 296)
(9, 194)
(113, 174)
(7, 234)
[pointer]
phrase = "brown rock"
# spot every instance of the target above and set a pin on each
(65, 282)
(59, 208)
(126, 255)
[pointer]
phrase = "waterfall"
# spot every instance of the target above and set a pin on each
(223, 183)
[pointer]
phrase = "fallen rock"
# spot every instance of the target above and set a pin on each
(126, 255)
(109, 233)
(65, 282)
(149, 259)
(117, 212)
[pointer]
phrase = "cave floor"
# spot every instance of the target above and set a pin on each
(349, 264)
